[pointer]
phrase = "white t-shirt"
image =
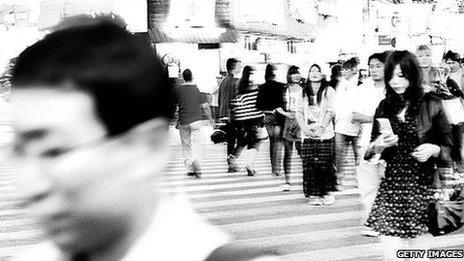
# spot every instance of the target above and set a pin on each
(367, 100)
(344, 105)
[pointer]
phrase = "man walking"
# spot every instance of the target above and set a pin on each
(190, 103)
(346, 131)
(227, 91)
(368, 97)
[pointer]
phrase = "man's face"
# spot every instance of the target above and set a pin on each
(454, 65)
(73, 179)
(376, 69)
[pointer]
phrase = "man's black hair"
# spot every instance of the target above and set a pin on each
(450, 55)
(382, 57)
(230, 64)
(187, 75)
(351, 63)
(127, 81)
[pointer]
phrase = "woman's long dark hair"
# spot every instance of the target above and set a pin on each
(309, 90)
(414, 92)
(336, 72)
(244, 82)
(292, 70)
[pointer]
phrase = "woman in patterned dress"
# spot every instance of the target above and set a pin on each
(316, 119)
(421, 140)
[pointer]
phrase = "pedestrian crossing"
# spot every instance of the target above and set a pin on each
(254, 210)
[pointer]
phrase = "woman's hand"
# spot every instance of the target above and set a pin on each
(316, 129)
(290, 115)
(425, 151)
(384, 141)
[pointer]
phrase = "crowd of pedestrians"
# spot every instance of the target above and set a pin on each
(394, 122)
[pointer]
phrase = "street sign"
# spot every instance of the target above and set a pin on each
(387, 40)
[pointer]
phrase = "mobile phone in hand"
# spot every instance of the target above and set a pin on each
(384, 126)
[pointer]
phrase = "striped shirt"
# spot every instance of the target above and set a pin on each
(243, 106)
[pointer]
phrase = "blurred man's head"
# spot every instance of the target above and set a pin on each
(453, 60)
(91, 107)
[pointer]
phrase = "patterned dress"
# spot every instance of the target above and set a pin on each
(400, 208)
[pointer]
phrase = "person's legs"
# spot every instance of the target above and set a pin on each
(231, 137)
(196, 147)
(235, 145)
(423, 241)
(390, 245)
(325, 172)
(288, 151)
(341, 145)
(271, 128)
(251, 135)
(368, 177)
(354, 146)
(186, 143)
(278, 152)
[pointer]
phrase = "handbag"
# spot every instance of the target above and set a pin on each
(292, 130)
(446, 211)
(261, 133)
(454, 109)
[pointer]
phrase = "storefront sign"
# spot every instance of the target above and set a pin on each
(191, 13)
(260, 11)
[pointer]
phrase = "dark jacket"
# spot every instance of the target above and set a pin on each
(270, 97)
(227, 91)
(432, 127)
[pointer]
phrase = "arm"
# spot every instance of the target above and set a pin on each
(300, 117)
(362, 118)
(284, 113)
(371, 150)
(207, 110)
(330, 113)
(443, 135)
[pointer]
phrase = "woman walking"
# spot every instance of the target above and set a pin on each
(247, 119)
(271, 101)
(316, 119)
(420, 141)
(291, 134)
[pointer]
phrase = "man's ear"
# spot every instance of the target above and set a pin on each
(149, 148)
(152, 133)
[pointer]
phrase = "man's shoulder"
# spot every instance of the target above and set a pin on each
(232, 252)
(42, 251)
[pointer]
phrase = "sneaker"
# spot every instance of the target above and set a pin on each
(329, 199)
(314, 200)
(251, 171)
(369, 232)
(286, 187)
(194, 174)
